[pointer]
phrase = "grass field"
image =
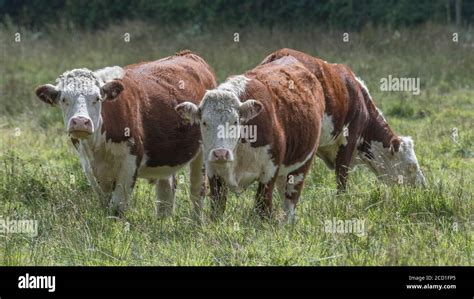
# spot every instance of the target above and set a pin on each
(41, 179)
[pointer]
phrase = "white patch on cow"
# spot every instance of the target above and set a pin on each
(110, 73)
(251, 164)
(327, 128)
(327, 138)
(235, 85)
(161, 172)
(401, 167)
(287, 169)
(286, 185)
(362, 84)
(103, 161)
(123, 182)
(328, 143)
(295, 181)
(109, 167)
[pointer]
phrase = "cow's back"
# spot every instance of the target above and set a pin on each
(342, 92)
(296, 101)
(180, 73)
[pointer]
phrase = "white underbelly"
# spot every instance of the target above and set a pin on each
(161, 172)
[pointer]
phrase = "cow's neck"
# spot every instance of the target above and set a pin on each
(225, 171)
(94, 142)
(376, 141)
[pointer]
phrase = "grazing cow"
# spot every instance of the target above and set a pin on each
(353, 126)
(123, 124)
(282, 103)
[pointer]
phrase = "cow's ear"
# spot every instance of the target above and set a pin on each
(189, 111)
(48, 93)
(395, 145)
(111, 90)
(250, 109)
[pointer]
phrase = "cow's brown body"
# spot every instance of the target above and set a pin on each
(146, 107)
(288, 129)
(349, 108)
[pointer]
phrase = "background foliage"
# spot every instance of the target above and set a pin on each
(337, 13)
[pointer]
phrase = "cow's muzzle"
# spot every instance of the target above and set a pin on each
(220, 155)
(80, 127)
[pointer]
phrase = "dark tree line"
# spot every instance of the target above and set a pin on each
(93, 14)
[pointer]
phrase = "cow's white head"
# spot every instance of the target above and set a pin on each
(80, 93)
(220, 116)
(396, 164)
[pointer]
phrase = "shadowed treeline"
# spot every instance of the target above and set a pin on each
(95, 14)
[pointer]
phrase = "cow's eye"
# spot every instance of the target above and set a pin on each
(204, 123)
(235, 123)
(63, 100)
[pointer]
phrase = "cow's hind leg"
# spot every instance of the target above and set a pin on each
(165, 193)
(197, 185)
(293, 187)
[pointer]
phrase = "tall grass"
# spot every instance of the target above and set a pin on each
(40, 176)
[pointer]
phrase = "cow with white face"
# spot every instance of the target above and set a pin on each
(354, 131)
(123, 125)
(261, 126)
(394, 165)
(79, 93)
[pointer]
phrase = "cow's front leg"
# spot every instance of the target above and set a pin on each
(264, 199)
(103, 196)
(343, 162)
(344, 158)
(218, 197)
(165, 193)
(198, 187)
(123, 187)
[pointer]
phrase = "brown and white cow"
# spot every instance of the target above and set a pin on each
(282, 103)
(123, 125)
(353, 127)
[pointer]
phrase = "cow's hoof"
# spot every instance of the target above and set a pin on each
(116, 210)
(163, 212)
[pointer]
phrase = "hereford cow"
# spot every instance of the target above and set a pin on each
(353, 126)
(282, 103)
(123, 124)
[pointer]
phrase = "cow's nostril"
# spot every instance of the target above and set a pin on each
(87, 121)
